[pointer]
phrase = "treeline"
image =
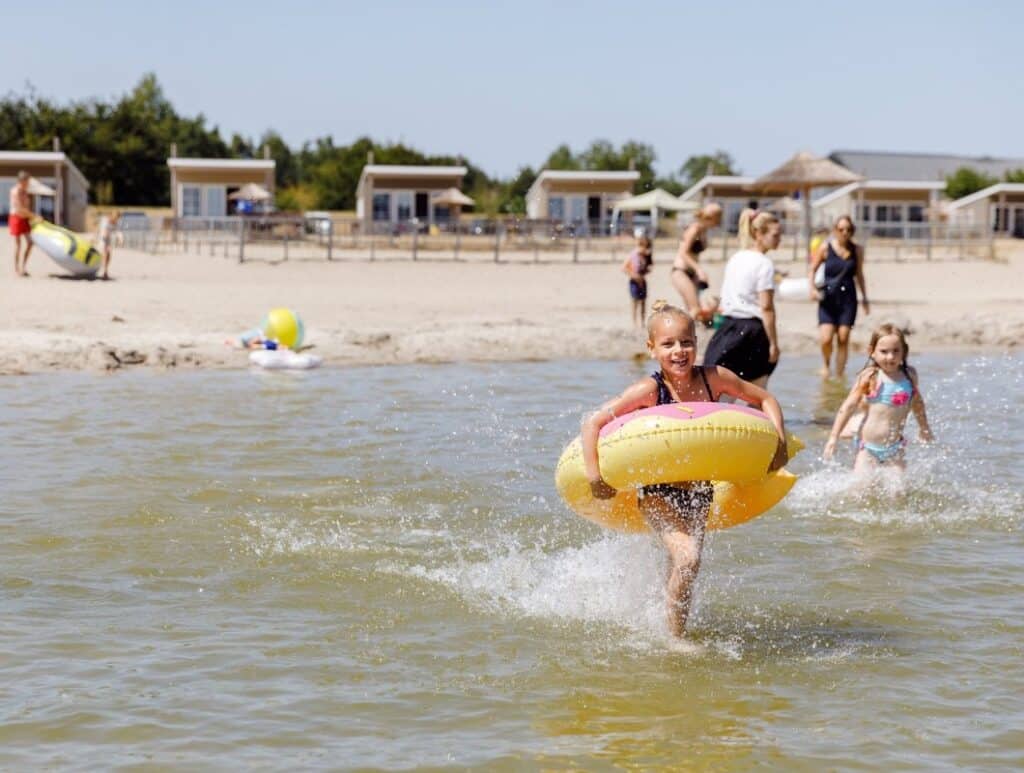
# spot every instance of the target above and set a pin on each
(121, 146)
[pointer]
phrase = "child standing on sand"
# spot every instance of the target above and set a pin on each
(108, 233)
(676, 512)
(637, 266)
(887, 390)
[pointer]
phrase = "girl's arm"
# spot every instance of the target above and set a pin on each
(846, 410)
(861, 284)
(642, 394)
(627, 267)
(816, 260)
(724, 381)
(924, 432)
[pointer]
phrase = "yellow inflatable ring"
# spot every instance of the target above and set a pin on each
(731, 445)
(67, 250)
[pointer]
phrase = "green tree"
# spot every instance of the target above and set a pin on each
(965, 181)
(1014, 176)
(562, 158)
(696, 167)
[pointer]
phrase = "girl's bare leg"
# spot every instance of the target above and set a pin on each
(682, 534)
(825, 335)
(842, 348)
(687, 291)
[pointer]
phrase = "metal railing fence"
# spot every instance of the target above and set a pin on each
(507, 240)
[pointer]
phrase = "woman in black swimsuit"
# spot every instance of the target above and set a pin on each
(676, 512)
(687, 275)
(837, 300)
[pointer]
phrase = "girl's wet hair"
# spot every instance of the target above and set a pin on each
(662, 308)
(880, 332)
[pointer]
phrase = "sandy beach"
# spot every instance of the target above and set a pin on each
(175, 310)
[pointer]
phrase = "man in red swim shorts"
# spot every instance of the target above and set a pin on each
(19, 222)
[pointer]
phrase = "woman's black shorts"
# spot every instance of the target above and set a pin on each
(742, 346)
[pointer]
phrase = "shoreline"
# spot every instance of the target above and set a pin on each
(173, 311)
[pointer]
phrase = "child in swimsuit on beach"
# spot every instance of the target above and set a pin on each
(637, 266)
(676, 512)
(887, 390)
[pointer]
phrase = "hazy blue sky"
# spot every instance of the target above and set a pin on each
(504, 83)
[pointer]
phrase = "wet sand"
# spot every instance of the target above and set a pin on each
(175, 310)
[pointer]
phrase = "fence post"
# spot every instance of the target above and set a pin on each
(575, 249)
(497, 242)
(458, 239)
(330, 240)
(928, 243)
(415, 239)
(373, 245)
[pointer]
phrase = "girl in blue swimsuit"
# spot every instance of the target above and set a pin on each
(887, 390)
(676, 512)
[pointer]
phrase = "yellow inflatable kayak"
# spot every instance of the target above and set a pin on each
(67, 250)
(731, 445)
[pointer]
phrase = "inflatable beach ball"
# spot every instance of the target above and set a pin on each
(284, 326)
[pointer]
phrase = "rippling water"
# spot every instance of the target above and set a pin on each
(370, 568)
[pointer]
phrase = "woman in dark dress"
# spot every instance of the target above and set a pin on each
(837, 300)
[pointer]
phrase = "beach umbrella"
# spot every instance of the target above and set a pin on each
(251, 192)
(36, 188)
(654, 202)
(804, 172)
(454, 199)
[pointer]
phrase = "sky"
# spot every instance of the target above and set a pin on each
(504, 83)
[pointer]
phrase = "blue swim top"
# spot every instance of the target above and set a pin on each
(889, 392)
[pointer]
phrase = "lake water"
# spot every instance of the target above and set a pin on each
(370, 568)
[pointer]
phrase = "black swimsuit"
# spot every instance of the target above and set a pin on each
(696, 498)
(697, 246)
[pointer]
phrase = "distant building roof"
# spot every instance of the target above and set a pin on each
(42, 157)
(880, 185)
(581, 175)
(726, 180)
(919, 166)
(572, 175)
(220, 163)
(405, 170)
(986, 193)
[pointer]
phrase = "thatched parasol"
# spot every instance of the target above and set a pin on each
(803, 172)
(251, 192)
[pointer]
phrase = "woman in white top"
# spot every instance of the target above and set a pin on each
(747, 342)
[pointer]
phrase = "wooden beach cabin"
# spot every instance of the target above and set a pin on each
(732, 192)
(1000, 206)
(66, 205)
(907, 188)
(584, 198)
(202, 187)
(392, 194)
(890, 208)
